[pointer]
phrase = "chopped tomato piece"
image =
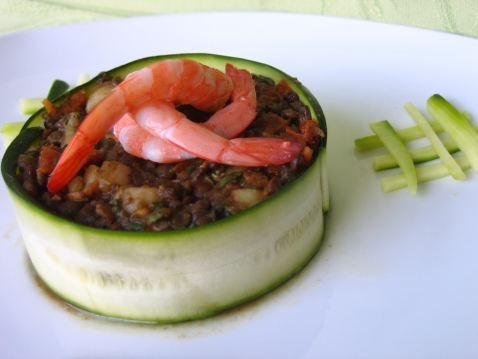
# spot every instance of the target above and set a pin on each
(78, 100)
(283, 87)
(294, 135)
(51, 109)
(311, 131)
(48, 159)
(74, 103)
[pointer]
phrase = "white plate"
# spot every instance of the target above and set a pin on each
(397, 274)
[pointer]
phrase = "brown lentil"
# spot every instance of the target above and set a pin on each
(180, 195)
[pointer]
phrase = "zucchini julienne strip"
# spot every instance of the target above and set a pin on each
(456, 126)
(419, 155)
(83, 78)
(33, 104)
(405, 135)
(424, 174)
(9, 131)
(395, 146)
(58, 88)
(449, 162)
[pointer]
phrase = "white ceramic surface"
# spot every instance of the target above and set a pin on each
(397, 276)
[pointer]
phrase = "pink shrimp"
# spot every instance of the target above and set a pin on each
(161, 86)
(228, 122)
(161, 119)
(140, 143)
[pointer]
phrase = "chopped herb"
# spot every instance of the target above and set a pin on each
(208, 179)
(229, 178)
(267, 80)
(220, 207)
(158, 205)
(117, 203)
(33, 153)
(192, 168)
(137, 227)
(222, 210)
(192, 225)
(228, 212)
(55, 161)
(155, 216)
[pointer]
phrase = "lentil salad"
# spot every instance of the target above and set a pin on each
(118, 191)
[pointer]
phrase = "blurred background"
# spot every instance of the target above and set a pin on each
(453, 16)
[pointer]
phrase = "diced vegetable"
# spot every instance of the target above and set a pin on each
(449, 162)
(248, 197)
(74, 121)
(456, 126)
(395, 146)
(48, 159)
(135, 198)
(98, 94)
(424, 174)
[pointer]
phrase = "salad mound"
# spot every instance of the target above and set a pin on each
(119, 191)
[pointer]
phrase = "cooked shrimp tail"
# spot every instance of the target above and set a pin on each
(71, 161)
(83, 143)
(271, 150)
(234, 118)
(163, 120)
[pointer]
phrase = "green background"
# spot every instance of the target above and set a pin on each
(453, 16)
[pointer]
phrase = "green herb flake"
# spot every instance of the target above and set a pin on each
(117, 203)
(137, 227)
(192, 168)
(220, 207)
(228, 212)
(158, 205)
(229, 178)
(155, 216)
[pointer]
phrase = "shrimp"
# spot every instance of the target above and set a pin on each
(140, 143)
(228, 122)
(148, 95)
(162, 120)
